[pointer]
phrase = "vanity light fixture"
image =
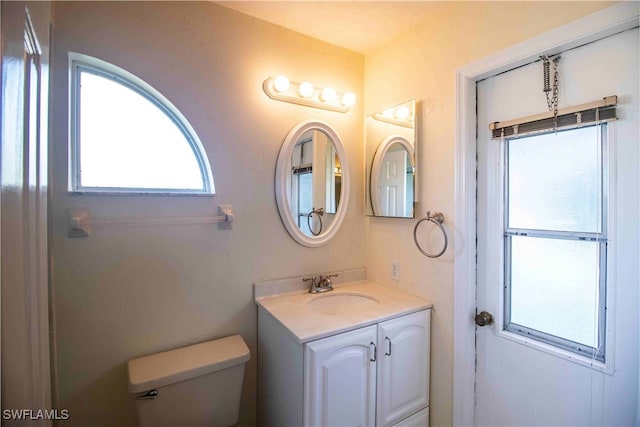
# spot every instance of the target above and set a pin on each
(281, 89)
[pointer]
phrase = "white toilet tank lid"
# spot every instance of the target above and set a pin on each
(161, 369)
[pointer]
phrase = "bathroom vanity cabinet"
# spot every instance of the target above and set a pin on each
(377, 375)
(372, 375)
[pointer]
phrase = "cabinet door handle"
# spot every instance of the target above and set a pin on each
(388, 353)
(151, 394)
(375, 352)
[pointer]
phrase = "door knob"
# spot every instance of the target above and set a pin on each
(483, 318)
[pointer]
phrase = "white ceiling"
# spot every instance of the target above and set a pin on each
(357, 25)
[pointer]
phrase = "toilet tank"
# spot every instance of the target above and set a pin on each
(198, 385)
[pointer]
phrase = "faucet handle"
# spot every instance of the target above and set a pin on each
(325, 281)
(327, 278)
(314, 285)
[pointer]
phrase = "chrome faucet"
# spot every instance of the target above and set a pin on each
(320, 284)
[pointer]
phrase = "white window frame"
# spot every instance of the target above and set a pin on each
(79, 63)
(520, 332)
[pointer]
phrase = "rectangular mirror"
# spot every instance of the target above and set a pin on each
(391, 147)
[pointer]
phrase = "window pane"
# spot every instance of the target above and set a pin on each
(554, 287)
(128, 142)
(555, 181)
(305, 193)
(305, 201)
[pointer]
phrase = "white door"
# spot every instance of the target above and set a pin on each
(340, 379)
(403, 367)
(392, 184)
(392, 177)
(524, 377)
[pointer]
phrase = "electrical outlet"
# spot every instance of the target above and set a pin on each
(395, 270)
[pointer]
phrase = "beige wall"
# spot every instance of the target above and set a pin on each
(132, 291)
(422, 65)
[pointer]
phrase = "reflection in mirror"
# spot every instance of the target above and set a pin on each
(391, 180)
(315, 182)
(391, 166)
(311, 183)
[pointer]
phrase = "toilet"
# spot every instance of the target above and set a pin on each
(197, 385)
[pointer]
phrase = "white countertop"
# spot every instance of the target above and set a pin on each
(305, 324)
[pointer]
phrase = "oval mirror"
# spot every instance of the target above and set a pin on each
(312, 185)
(391, 147)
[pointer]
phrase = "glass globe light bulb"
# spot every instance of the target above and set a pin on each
(388, 113)
(281, 84)
(348, 99)
(328, 94)
(402, 113)
(305, 90)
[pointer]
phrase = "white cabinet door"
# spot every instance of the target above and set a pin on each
(419, 419)
(340, 379)
(403, 367)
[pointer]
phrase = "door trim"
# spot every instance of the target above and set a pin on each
(601, 24)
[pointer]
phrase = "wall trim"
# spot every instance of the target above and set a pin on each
(609, 21)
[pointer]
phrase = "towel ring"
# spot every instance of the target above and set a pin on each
(318, 212)
(437, 218)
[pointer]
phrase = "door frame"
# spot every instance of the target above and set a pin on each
(598, 25)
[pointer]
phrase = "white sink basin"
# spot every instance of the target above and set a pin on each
(341, 303)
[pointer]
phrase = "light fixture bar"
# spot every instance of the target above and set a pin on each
(399, 115)
(279, 88)
(392, 121)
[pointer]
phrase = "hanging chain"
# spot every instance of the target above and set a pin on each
(551, 93)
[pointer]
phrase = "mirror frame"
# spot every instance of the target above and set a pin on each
(381, 151)
(283, 183)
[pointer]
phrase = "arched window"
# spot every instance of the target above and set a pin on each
(128, 138)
